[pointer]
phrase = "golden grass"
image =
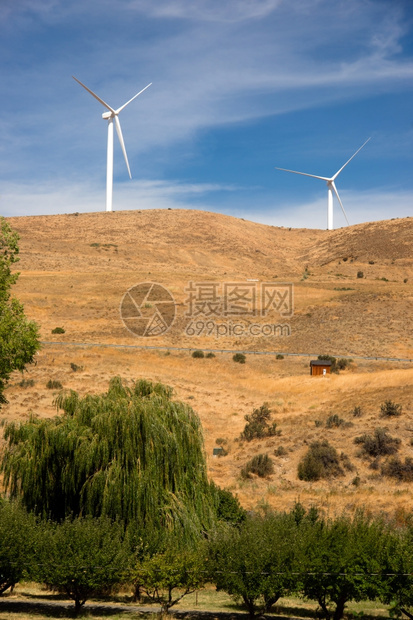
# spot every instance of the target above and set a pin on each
(71, 277)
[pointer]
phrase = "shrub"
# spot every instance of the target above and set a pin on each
(221, 441)
(346, 463)
(405, 280)
(357, 412)
(75, 367)
(279, 356)
(58, 330)
(24, 383)
(52, 384)
(380, 444)
(390, 409)
(371, 262)
(334, 421)
(320, 461)
(397, 469)
(258, 424)
(280, 451)
(261, 465)
(198, 354)
(239, 357)
(360, 274)
(210, 355)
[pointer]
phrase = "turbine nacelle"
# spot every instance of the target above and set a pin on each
(107, 115)
(331, 187)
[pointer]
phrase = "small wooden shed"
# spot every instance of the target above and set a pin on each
(320, 367)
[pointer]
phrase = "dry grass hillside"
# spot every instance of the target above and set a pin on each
(75, 270)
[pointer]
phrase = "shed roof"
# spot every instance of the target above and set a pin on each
(320, 363)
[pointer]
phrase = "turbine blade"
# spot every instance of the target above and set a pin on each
(347, 162)
(339, 199)
(128, 102)
(95, 95)
(314, 176)
(122, 143)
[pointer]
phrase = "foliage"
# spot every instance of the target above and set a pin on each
(360, 274)
(75, 367)
(239, 357)
(17, 544)
(198, 354)
(210, 355)
(19, 338)
(280, 451)
(84, 557)
(256, 562)
(228, 507)
(357, 411)
(378, 444)
(395, 468)
(320, 461)
(342, 563)
(168, 576)
(390, 409)
(131, 453)
(334, 421)
(58, 330)
(397, 565)
(336, 364)
(258, 424)
(261, 465)
(279, 356)
(24, 383)
(53, 384)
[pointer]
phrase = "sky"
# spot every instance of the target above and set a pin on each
(239, 87)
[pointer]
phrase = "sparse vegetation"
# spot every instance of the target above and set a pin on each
(58, 330)
(390, 409)
(54, 384)
(334, 421)
(320, 461)
(279, 356)
(25, 383)
(210, 355)
(198, 354)
(280, 451)
(258, 424)
(378, 444)
(75, 367)
(261, 465)
(395, 468)
(360, 274)
(239, 358)
(357, 411)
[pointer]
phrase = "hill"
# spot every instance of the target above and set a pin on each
(352, 297)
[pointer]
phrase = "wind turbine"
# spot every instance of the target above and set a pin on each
(331, 187)
(112, 115)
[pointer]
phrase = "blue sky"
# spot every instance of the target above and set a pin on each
(239, 87)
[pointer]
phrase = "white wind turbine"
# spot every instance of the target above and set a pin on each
(331, 187)
(110, 116)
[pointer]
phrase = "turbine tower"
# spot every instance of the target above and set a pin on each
(331, 187)
(112, 115)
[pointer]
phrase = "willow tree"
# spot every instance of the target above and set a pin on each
(131, 453)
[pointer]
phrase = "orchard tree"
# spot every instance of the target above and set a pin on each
(18, 336)
(341, 562)
(257, 561)
(18, 544)
(168, 576)
(83, 557)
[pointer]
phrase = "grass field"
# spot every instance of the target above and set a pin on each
(75, 270)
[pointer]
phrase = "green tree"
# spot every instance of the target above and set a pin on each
(18, 538)
(397, 568)
(256, 562)
(341, 563)
(168, 576)
(258, 424)
(131, 453)
(18, 337)
(84, 557)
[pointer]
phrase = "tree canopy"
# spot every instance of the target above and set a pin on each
(131, 453)
(18, 336)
